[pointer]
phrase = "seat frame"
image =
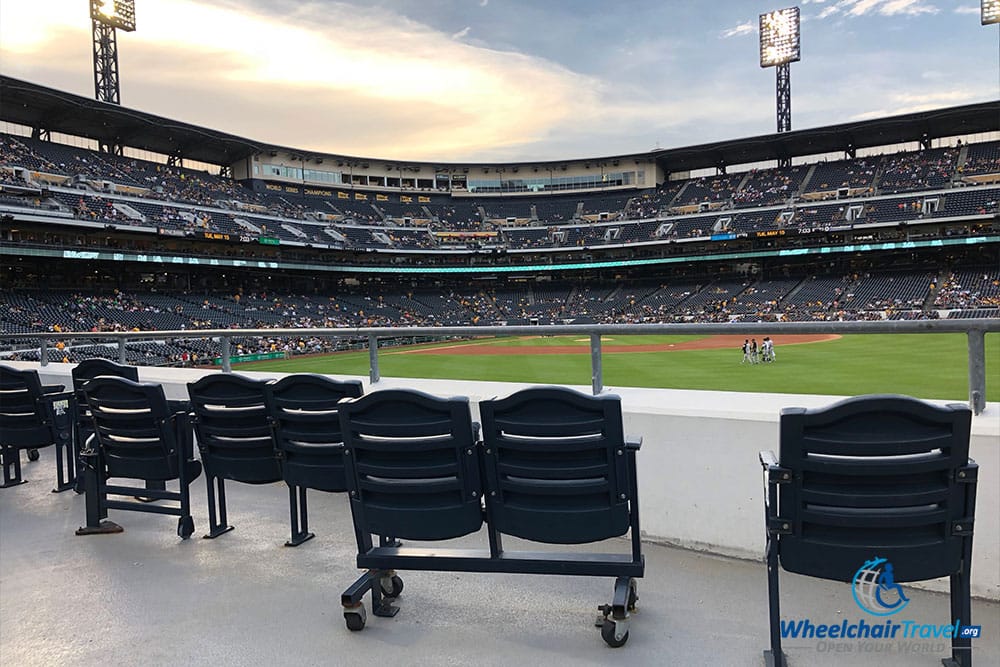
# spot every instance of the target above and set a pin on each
(309, 428)
(174, 431)
(783, 514)
(215, 470)
(55, 410)
(382, 560)
(82, 373)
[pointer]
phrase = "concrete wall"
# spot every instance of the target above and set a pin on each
(699, 480)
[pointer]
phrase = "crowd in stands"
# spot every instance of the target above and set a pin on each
(981, 159)
(909, 295)
(190, 202)
(969, 289)
(919, 170)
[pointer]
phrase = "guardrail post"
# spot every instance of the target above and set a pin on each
(121, 351)
(227, 363)
(373, 373)
(44, 352)
(977, 370)
(596, 370)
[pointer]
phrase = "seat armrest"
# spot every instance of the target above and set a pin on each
(57, 394)
(633, 442)
(768, 459)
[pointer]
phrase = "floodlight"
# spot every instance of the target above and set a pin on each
(990, 11)
(114, 13)
(779, 37)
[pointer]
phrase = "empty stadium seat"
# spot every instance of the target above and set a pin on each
(136, 436)
(865, 483)
(310, 449)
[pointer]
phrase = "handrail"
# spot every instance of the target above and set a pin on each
(974, 328)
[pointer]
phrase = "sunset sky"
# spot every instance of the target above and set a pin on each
(508, 79)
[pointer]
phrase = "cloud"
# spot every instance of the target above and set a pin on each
(429, 96)
(967, 10)
(902, 103)
(855, 8)
(744, 28)
(461, 33)
(483, 3)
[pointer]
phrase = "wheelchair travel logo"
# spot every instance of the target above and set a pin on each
(875, 589)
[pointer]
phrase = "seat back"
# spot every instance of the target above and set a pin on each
(87, 370)
(875, 477)
(233, 429)
(303, 410)
(555, 464)
(412, 465)
(22, 419)
(132, 425)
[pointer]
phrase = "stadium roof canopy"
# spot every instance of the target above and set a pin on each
(52, 110)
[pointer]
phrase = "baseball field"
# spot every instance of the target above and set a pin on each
(931, 366)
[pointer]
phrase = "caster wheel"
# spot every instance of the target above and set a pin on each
(185, 527)
(32, 454)
(355, 618)
(395, 586)
(608, 634)
(633, 596)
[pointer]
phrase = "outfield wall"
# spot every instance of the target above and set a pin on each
(699, 480)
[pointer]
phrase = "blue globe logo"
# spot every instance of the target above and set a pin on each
(875, 589)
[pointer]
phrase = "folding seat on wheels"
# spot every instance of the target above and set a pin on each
(560, 470)
(33, 415)
(136, 436)
(554, 467)
(233, 429)
(307, 440)
(873, 491)
(412, 472)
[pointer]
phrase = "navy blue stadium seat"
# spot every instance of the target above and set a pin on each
(310, 449)
(868, 484)
(33, 415)
(136, 436)
(554, 467)
(83, 372)
(234, 437)
(559, 470)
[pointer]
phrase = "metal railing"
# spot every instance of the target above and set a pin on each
(974, 329)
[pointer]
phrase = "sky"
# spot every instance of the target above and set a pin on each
(508, 80)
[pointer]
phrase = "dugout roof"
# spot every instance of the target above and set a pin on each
(49, 109)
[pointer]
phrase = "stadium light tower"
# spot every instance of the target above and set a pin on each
(779, 47)
(989, 12)
(105, 17)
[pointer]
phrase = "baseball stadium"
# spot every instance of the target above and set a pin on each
(170, 289)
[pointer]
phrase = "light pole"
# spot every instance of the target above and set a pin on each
(780, 45)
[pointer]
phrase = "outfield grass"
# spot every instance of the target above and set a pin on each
(924, 365)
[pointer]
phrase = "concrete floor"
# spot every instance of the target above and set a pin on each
(145, 597)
